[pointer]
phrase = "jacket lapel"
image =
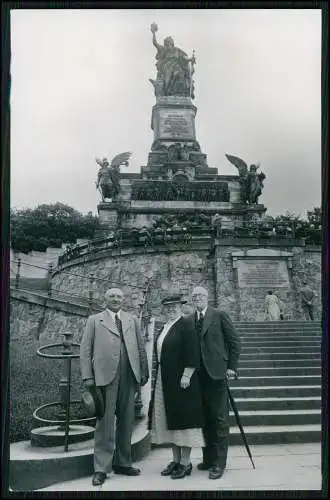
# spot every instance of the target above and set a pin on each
(207, 320)
(156, 335)
(126, 323)
(107, 321)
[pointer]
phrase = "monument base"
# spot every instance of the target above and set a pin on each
(173, 118)
(108, 216)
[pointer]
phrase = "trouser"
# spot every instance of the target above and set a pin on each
(308, 311)
(216, 419)
(113, 446)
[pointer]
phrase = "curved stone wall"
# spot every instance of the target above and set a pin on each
(129, 269)
(207, 264)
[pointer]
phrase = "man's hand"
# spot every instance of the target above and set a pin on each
(144, 380)
(89, 383)
(231, 374)
(184, 382)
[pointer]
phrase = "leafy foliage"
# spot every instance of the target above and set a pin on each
(49, 225)
(309, 228)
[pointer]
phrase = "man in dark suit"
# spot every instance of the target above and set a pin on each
(307, 301)
(219, 353)
(113, 357)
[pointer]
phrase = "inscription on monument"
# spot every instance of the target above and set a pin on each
(176, 124)
(262, 273)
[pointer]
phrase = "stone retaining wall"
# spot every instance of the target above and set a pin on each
(181, 269)
(204, 264)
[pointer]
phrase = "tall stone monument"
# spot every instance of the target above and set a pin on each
(176, 178)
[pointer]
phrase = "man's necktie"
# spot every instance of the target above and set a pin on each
(200, 323)
(119, 325)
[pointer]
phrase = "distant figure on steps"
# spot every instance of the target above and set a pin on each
(272, 307)
(307, 301)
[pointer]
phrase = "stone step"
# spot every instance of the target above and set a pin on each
(279, 371)
(286, 329)
(276, 391)
(250, 362)
(281, 336)
(254, 340)
(277, 403)
(276, 417)
(279, 434)
(277, 331)
(263, 355)
(280, 350)
(272, 380)
(280, 343)
(278, 324)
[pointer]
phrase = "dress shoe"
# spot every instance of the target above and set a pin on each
(203, 466)
(98, 478)
(169, 468)
(181, 471)
(215, 472)
(126, 471)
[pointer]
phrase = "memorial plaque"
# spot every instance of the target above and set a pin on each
(262, 273)
(176, 124)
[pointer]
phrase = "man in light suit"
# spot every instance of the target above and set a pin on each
(219, 354)
(113, 357)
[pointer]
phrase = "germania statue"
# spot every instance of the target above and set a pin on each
(174, 69)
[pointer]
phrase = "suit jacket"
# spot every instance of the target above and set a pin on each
(219, 342)
(100, 348)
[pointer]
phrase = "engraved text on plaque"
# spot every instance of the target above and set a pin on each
(262, 273)
(175, 123)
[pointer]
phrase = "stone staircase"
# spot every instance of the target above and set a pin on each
(278, 393)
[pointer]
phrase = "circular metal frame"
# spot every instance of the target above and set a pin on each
(58, 422)
(57, 356)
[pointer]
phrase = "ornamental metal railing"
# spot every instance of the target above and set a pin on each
(65, 402)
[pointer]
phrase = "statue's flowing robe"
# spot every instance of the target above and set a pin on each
(108, 179)
(255, 186)
(173, 68)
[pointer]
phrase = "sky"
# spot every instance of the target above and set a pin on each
(80, 89)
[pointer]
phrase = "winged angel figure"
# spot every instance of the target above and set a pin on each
(251, 181)
(108, 176)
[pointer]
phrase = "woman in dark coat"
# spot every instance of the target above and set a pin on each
(175, 413)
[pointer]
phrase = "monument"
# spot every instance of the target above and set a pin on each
(177, 178)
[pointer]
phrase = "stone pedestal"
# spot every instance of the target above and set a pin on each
(108, 216)
(173, 119)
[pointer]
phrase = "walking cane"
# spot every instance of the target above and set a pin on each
(238, 420)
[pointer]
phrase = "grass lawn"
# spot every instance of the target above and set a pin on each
(34, 381)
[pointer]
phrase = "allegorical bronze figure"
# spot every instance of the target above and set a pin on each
(174, 69)
(251, 181)
(109, 175)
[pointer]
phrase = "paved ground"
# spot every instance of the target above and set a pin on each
(278, 467)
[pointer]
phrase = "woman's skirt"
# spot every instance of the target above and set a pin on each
(161, 434)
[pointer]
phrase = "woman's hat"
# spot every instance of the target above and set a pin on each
(173, 299)
(93, 402)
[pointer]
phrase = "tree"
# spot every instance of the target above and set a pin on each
(314, 226)
(298, 227)
(49, 225)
